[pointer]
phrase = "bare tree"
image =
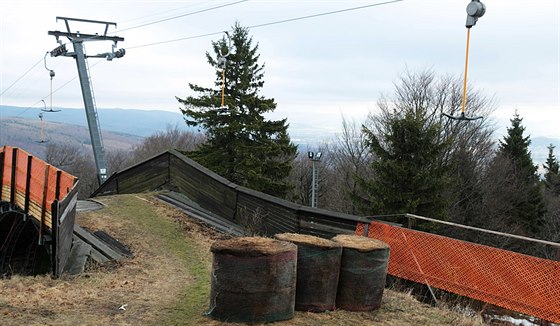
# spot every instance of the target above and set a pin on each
(62, 156)
(351, 158)
(471, 146)
(301, 178)
(551, 227)
(76, 160)
(118, 160)
(172, 138)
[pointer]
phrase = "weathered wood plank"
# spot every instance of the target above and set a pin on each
(329, 231)
(78, 257)
(210, 191)
(96, 243)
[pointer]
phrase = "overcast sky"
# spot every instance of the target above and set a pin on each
(317, 69)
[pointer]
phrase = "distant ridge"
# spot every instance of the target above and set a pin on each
(143, 123)
(133, 122)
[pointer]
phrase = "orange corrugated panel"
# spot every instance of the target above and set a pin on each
(41, 194)
(51, 186)
(66, 183)
(7, 174)
(37, 181)
(21, 176)
(511, 280)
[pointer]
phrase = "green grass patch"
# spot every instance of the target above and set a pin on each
(168, 238)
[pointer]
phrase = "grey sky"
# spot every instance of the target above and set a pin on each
(317, 69)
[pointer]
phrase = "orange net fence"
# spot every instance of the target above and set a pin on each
(503, 278)
(35, 184)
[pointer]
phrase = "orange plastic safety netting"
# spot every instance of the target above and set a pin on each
(43, 181)
(507, 279)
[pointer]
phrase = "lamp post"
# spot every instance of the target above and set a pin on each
(314, 157)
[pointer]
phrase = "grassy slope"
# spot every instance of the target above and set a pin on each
(167, 282)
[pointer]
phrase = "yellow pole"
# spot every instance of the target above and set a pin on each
(466, 69)
(223, 85)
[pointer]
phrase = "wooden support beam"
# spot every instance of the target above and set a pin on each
(28, 184)
(14, 174)
(2, 157)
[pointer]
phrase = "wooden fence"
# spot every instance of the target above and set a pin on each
(174, 171)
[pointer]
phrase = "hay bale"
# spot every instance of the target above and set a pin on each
(253, 280)
(363, 270)
(318, 266)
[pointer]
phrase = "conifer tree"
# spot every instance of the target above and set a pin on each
(516, 147)
(423, 163)
(242, 146)
(552, 174)
(409, 176)
(528, 202)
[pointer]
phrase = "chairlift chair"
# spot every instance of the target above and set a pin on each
(42, 140)
(51, 74)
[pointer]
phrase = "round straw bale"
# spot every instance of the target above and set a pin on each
(318, 267)
(253, 280)
(363, 270)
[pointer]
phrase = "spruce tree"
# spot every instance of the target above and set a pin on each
(552, 174)
(242, 146)
(409, 176)
(529, 206)
(516, 147)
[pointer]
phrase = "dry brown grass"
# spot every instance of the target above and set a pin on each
(305, 239)
(167, 282)
(359, 243)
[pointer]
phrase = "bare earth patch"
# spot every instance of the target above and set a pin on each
(167, 282)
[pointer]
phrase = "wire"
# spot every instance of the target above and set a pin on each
(203, 35)
(267, 24)
(56, 90)
(24, 74)
(182, 15)
(134, 27)
(324, 14)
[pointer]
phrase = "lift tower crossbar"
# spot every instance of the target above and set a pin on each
(79, 54)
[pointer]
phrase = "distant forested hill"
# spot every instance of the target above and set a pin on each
(134, 122)
(26, 134)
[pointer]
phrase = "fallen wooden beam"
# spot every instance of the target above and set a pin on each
(96, 244)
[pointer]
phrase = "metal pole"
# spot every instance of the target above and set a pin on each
(91, 114)
(313, 185)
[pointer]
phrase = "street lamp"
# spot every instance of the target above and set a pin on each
(314, 157)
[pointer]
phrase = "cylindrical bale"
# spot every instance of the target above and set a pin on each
(318, 266)
(253, 280)
(363, 270)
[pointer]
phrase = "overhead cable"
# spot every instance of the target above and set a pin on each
(130, 28)
(23, 75)
(56, 90)
(268, 24)
(182, 15)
